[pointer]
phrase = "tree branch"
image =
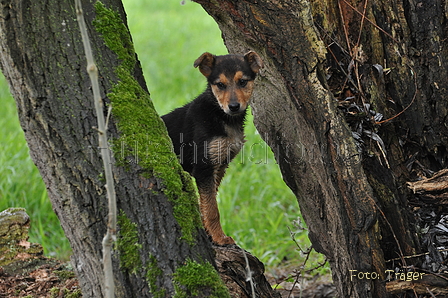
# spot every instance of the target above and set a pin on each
(108, 239)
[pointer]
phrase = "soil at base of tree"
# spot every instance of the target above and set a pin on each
(40, 278)
(50, 278)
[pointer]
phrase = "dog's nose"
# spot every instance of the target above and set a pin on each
(234, 106)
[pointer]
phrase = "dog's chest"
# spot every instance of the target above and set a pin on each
(223, 149)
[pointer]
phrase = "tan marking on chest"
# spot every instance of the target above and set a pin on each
(223, 149)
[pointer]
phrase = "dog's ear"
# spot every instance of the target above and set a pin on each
(254, 61)
(205, 63)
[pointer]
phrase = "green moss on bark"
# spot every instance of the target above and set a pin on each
(144, 138)
(128, 244)
(153, 273)
(193, 279)
(143, 135)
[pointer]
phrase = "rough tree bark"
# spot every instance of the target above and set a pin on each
(161, 247)
(389, 54)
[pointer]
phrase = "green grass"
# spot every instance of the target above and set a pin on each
(21, 184)
(255, 204)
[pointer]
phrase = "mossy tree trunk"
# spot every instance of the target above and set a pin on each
(389, 54)
(160, 236)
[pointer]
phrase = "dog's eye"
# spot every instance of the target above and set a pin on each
(221, 86)
(242, 83)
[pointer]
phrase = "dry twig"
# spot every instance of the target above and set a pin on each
(108, 239)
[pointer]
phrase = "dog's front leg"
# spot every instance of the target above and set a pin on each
(210, 212)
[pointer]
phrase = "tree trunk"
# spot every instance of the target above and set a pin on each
(43, 60)
(331, 68)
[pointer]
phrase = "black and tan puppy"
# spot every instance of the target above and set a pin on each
(207, 133)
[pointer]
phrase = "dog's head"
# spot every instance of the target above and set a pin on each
(231, 78)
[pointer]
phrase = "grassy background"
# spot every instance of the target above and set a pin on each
(256, 206)
(21, 184)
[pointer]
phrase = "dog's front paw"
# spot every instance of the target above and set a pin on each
(223, 240)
